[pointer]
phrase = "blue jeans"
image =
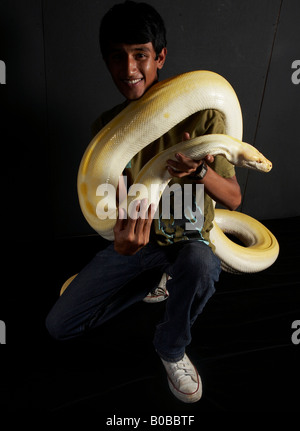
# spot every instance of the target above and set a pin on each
(95, 295)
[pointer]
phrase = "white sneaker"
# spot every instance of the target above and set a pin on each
(184, 380)
(159, 293)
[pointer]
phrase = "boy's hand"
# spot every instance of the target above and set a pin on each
(185, 165)
(132, 233)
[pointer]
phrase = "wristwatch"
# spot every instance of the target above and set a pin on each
(199, 173)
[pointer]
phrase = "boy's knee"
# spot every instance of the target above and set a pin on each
(198, 260)
(199, 254)
(55, 327)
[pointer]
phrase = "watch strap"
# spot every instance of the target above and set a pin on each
(200, 172)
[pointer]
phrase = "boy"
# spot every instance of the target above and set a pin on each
(133, 46)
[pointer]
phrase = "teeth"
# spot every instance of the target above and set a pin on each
(133, 81)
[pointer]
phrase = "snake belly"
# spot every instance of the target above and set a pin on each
(143, 121)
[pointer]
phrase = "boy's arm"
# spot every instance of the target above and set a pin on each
(225, 191)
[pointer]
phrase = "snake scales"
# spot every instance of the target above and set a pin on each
(145, 120)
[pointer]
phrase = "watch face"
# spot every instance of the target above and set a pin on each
(203, 171)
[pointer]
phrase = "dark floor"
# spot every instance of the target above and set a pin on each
(242, 343)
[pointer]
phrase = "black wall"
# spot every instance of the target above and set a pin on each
(57, 84)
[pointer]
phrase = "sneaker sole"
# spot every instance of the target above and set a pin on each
(187, 397)
(156, 298)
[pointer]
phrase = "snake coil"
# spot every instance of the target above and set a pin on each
(162, 107)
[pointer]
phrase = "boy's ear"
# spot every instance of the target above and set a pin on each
(161, 58)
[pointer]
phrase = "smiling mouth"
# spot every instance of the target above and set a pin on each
(132, 81)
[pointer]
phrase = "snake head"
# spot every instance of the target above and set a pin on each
(256, 160)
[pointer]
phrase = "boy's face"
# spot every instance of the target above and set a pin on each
(133, 67)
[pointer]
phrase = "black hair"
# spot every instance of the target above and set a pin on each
(132, 23)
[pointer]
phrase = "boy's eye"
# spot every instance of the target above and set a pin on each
(141, 55)
(118, 57)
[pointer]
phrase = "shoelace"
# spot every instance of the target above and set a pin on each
(181, 370)
(158, 291)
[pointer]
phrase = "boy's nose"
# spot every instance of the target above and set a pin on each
(131, 66)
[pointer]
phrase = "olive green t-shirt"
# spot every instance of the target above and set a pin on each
(195, 220)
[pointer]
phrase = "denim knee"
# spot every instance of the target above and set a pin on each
(196, 260)
(55, 326)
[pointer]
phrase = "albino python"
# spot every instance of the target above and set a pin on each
(145, 120)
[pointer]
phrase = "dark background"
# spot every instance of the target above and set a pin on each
(56, 85)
